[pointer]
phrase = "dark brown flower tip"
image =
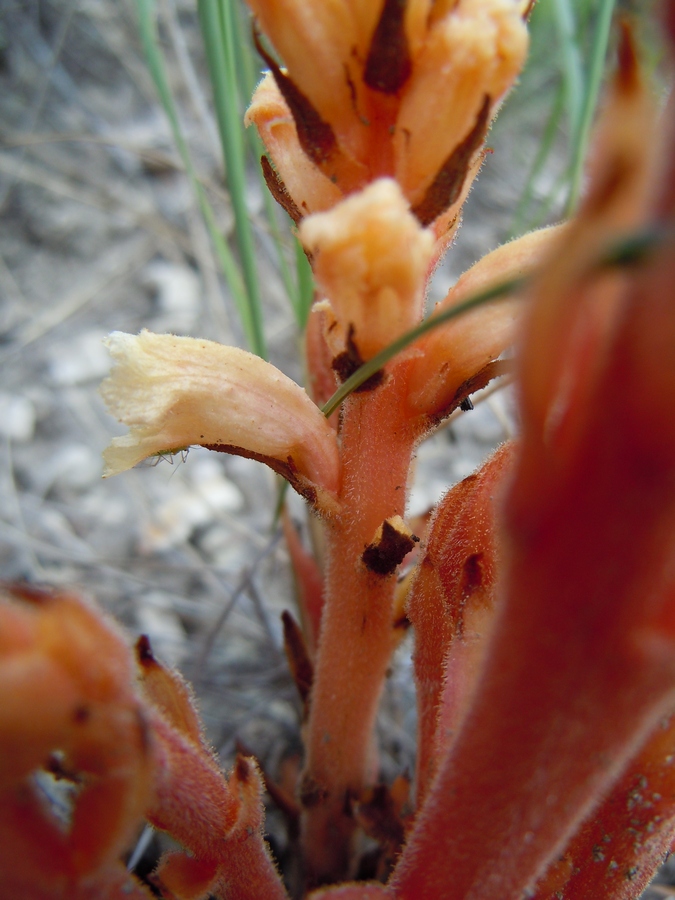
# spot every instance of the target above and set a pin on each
(388, 65)
(311, 792)
(299, 662)
(278, 190)
(287, 469)
(378, 814)
(628, 73)
(315, 135)
(244, 768)
(30, 593)
(144, 653)
(495, 369)
(446, 187)
(57, 766)
(350, 360)
(528, 10)
(389, 548)
(473, 575)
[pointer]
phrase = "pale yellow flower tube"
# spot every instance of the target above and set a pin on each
(176, 391)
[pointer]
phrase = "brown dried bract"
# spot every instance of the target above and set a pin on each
(446, 187)
(392, 544)
(314, 133)
(278, 189)
(349, 361)
(389, 66)
(299, 662)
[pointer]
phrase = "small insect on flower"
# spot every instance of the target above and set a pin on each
(167, 456)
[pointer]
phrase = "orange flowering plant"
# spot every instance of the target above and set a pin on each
(542, 594)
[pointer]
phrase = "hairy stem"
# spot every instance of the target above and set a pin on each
(356, 639)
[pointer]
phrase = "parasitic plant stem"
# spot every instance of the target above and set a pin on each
(356, 639)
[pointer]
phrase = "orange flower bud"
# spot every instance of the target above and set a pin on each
(370, 259)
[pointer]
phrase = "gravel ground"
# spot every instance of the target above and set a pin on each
(99, 231)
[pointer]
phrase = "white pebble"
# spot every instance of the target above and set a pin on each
(17, 417)
(82, 359)
(177, 294)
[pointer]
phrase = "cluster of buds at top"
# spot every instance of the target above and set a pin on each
(389, 74)
(383, 90)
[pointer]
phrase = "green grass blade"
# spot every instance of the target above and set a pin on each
(590, 101)
(301, 291)
(521, 222)
(148, 34)
(368, 369)
(572, 67)
(219, 39)
(555, 195)
(250, 75)
(246, 58)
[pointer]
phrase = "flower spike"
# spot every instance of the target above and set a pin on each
(390, 72)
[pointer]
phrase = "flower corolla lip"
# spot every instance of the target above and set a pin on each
(370, 258)
(174, 392)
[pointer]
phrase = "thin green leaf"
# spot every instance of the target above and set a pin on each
(590, 101)
(368, 369)
(521, 222)
(300, 293)
(148, 34)
(282, 491)
(572, 66)
(219, 39)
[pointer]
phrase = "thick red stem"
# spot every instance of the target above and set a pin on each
(356, 638)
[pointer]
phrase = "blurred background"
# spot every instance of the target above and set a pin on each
(121, 208)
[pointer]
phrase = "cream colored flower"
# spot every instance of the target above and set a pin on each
(178, 391)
